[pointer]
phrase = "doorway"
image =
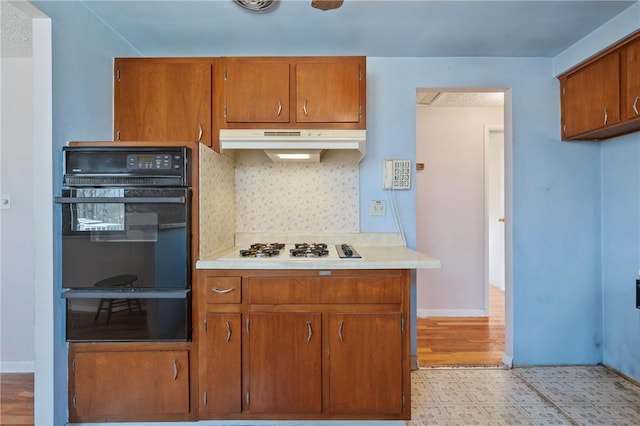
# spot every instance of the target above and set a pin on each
(460, 193)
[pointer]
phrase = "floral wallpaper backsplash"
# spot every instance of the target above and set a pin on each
(297, 197)
(217, 206)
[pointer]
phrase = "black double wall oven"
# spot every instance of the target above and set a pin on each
(126, 238)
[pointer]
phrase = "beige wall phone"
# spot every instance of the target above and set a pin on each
(396, 174)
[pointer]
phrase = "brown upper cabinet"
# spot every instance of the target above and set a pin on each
(163, 99)
(600, 98)
(591, 97)
(631, 56)
(293, 92)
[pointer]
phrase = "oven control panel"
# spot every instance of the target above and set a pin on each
(150, 161)
(126, 166)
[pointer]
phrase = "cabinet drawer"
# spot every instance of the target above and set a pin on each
(223, 289)
(305, 290)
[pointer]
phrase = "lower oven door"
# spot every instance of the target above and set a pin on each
(136, 315)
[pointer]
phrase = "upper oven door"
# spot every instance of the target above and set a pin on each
(139, 232)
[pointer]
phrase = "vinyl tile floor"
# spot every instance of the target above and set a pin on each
(593, 395)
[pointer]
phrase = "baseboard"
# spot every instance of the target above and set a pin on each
(507, 361)
(17, 367)
(424, 313)
(414, 363)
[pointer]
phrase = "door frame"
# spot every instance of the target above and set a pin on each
(507, 358)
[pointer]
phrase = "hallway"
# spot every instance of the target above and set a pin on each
(463, 341)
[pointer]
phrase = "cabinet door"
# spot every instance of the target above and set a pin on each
(591, 97)
(365, 348)
(221, 385)
(157, 101)
(256, 92)
(130, 383)
(632, 95)
(285, 363)
(328, 92)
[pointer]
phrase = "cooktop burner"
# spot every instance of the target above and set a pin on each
(262, 250)
(301, 250)
(309, 250)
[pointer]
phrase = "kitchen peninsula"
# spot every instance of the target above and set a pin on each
(300, 326)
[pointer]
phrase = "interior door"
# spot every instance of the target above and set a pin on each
(494, 174)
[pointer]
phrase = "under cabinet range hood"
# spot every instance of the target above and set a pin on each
(293, 145)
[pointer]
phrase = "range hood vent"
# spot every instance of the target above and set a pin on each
(320, 145)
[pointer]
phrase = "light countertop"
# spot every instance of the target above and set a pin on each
(385, 255)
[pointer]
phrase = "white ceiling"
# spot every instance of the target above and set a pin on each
(374, 28)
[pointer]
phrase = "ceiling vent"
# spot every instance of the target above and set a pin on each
(258, 6)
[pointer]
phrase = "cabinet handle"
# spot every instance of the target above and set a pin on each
(606, 116)
(279, 108)
(175, 369)
(310, 329)
(228, 332)
(340, 331)
(304, 108)
(200, 130)
(225, 291)
(635, 105)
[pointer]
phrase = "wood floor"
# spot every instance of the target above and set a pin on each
(16, 399)
(463, 341)
(442, 342)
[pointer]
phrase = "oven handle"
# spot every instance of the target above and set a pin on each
(125, 200)
(130, 293)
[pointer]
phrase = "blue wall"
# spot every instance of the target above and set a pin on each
(556, 197)
(621, 253)
(83, 50)
(620, 212)
(570, 202)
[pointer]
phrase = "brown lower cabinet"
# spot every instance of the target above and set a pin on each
(111, 382)
(268, 344)
(304, 344)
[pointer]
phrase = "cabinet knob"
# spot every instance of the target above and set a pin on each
(635, 105)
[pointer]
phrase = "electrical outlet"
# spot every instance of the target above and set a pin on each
(378, 208)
